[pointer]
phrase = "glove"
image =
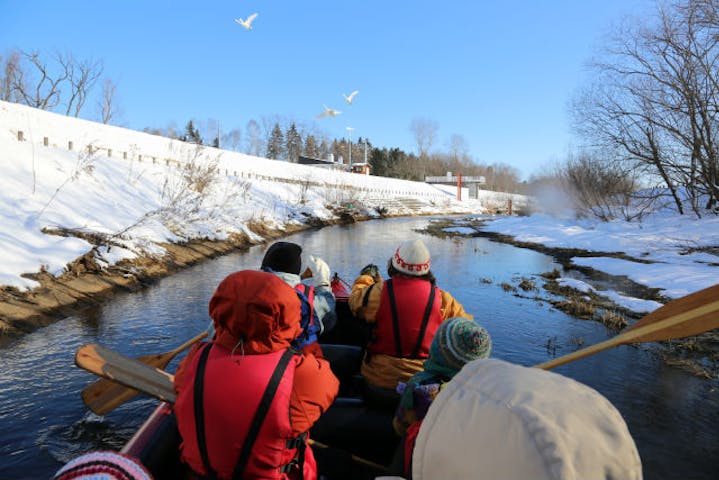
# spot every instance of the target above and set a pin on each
(371, 270)
(320, 271)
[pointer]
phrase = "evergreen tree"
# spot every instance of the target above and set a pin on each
(192, 135)
(311, 149)
(276, 144)
(293, 143)
(324, 151)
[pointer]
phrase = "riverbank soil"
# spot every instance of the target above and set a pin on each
(698, 355)
(86, 283)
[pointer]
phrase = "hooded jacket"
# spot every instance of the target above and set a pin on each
(256, 316)
(504, 421)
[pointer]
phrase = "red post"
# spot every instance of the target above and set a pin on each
(509, 206)
(459, 186)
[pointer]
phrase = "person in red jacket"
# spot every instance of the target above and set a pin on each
(246, 400)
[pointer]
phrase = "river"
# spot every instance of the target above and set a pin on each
(672, 415)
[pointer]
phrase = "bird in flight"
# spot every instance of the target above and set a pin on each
(328, 112)
(348, 98)
(247, 23)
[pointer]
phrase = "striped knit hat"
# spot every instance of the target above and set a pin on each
(103, 465)
(458, 341)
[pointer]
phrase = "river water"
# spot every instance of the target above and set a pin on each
(673, 416)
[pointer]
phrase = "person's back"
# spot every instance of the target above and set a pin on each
(497, 420)
(457, 341)
(284, 259)
(247, 400)
(405, 310)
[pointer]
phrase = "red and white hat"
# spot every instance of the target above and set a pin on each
(412, 258)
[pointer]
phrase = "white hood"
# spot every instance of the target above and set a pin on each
(500, 421)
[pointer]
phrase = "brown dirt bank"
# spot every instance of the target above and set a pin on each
(85, 283)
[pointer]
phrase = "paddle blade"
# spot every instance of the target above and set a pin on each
(127, 371)
(686, 316)
(102, 396)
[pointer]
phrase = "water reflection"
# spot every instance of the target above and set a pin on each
(672, 416)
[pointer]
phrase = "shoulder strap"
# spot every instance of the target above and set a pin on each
(395, 317)
(365, 298)
(199, 395)
(425, 321)
(261, 413)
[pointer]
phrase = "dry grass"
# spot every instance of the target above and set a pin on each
(613, 320)
(577, 307)
(527, 284)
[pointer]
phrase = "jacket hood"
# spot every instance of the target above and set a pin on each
(505, 421)
(257, 308)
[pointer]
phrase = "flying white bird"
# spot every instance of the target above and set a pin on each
(348, 98)
(247, 23)
(328, 112)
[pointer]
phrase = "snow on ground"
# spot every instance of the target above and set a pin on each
(678, 246)
(136, 190)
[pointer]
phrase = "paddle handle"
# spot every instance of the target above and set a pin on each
(701, 314)
(585, 352)
(189, 343)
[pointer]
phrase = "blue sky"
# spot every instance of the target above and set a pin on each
(498, 73)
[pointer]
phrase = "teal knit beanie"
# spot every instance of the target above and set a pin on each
(458, 341)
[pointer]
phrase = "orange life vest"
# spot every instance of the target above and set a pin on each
(408, 316)
(235, 421)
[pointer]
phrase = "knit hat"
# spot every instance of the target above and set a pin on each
(103, 465)
(457, 341)
(412, 258)
(512, 422)
(283, 257)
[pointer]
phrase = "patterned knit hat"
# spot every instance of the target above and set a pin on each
(412, 258)
(283, 257)
(103, 465)
(458, 341)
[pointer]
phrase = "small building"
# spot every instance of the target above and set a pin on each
(363, 168)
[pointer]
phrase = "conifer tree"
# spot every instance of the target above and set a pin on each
(311, 149)
(192, 135)
(293, 143)
(276, 144)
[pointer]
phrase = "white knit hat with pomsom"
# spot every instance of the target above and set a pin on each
(503, 421)
(412, 258)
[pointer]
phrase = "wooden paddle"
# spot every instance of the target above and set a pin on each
(683, 317)
(103, 395)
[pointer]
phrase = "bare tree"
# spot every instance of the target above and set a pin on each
(232, 139)
(425, 132)
(82, 76)
(253, 138)
(33, 80)
(601, 188)
(10, 70)
(107, 101)
(39, 88)
(657, 101)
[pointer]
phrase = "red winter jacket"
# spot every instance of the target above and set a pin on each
(264, 312)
